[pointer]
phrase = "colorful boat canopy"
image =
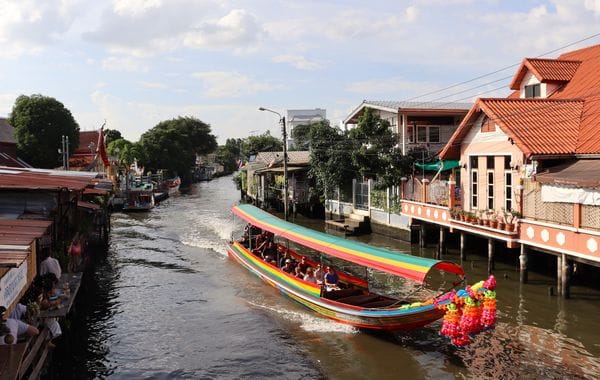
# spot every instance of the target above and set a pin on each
(407, 266)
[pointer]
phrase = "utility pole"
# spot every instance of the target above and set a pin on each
(285, 172)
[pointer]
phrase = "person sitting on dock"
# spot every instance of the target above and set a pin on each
(49, 264)
(331, 279)
(12, 329)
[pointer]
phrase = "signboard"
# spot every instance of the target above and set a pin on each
(12, 283)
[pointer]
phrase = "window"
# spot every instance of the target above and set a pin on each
(474, 161)
(434, 134)
(490, 189)
(508, 190)
(474, 188)
(421, 134)
(490, 162)
(410, 134)
(507, 161)
(533, 91)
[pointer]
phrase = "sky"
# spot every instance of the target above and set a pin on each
(134, 63)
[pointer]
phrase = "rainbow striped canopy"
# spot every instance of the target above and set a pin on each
(407, 266)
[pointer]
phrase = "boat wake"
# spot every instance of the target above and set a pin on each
(307, 321)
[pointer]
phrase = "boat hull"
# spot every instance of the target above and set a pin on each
(309, 295)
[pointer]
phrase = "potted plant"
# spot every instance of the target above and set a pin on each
(501, 219)
(512, 219)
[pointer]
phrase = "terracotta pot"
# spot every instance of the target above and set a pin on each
(510, 227)
(502, 226)
(493, 223)
(486, 222)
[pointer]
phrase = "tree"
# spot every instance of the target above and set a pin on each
(227, 155)
(40, 122)
(126, 151)
(330, 157)
(112, 135)
(173, 145)
(261, 143)
(301, 137)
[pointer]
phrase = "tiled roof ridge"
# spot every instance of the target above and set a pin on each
(532, 59)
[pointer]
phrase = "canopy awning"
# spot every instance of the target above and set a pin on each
(440, 165)
(407, 266)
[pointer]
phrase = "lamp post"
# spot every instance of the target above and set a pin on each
(285, 159)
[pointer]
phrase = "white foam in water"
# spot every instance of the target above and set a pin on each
(310, 322)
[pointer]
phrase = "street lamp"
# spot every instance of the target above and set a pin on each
(285, 160)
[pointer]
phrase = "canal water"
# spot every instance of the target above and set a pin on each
(166, 302)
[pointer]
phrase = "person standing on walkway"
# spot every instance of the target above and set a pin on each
(75, 254)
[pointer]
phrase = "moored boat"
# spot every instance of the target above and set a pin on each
(173, 185)
(139, 197)
(353, 303)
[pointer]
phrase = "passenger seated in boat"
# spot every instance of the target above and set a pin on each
(310, 276)
(288, 267)
(298, 273)
(245, 241)
(303, 265)
(269, 252)
(284, 257)
(331, 279)
(319, 274)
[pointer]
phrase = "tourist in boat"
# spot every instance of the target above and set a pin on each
(298, 272)
(310, 276)
(288, 267)
(303, 265)
(284, 257)
(331, 279)
(319, 274)
(269, 252)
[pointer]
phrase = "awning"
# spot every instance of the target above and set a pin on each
(407, 266)
(12, 259)
(279, 169)
(88, 205)
(435, 166)
(581, 173)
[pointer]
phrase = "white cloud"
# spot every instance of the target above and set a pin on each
(236, 29)
(153, 85)
(7, 101)
(28, 26)
(123, 64)
(134, 7)
(593, 5)
(220, 84)
(298, 61)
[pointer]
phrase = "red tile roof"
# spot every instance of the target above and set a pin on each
(545, 70)
(86, 139)
(566, 123)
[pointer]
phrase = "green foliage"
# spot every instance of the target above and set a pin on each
(112, 135)
(331, 163)
(227, 154)
(240, 180)
(173, 145)
(301, 136)
(40, 122)
(126, 151)
(261, 143)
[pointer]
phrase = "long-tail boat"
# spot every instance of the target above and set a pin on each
(354, 304)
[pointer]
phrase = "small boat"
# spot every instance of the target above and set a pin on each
(139, 197)
(173, 185)
(354, 303)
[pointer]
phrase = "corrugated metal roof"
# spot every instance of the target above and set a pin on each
(7, 132)
(397, 105)
(12, 259)
(90, 205)
(301, 157)
(583, 173)
(12, 178)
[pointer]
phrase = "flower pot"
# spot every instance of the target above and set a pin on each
(509, 227)
(494, 223)
(486, 222)
(501, 226)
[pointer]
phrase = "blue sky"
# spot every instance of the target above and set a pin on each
(135, 63)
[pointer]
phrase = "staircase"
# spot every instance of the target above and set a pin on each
(353, 224)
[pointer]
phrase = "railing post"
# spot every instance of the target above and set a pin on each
(577, 215)
(403, 187)
(424, 190)
(451, 190)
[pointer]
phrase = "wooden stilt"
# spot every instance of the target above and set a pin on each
(463, 254)
(566, 277)
(491, 265)
(422, 235)
(523, 259)
(559, 274)
(442, 244)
